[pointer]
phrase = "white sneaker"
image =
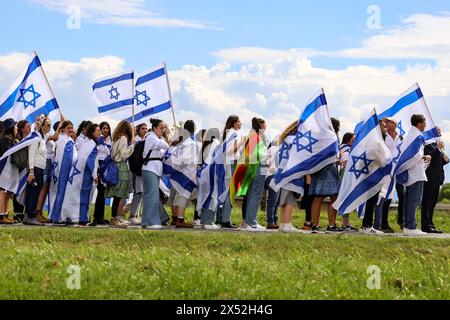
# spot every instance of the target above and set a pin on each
(371, 230)
(154, 227)
(197, 224)
(413, 232)
(135, 221)
(257, 228)
(288, 228)
(211, 227)
(117, 222)
(124, 221)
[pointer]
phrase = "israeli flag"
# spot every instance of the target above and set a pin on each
(369, 163)
(152, 95)
(165, 185)
(223, 174)
(29, 96)
(207, 190)
(409, 103)
(11, 179)
(180, 164)
(314, 146)
(114, 94)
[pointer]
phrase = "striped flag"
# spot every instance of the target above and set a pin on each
(115, 93)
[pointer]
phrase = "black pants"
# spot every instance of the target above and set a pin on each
(429, 201)
(369, 211)
(115, 206)
(385, 214)
(99, 211)
(33, 191)
(401, 203)
(306, 203)
(18, 208)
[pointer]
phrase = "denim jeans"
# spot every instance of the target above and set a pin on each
(207, 216)
(273, 202)
(224, 212)
(152, 212)
(378, 215)
(413, 198)
(32, 193)
(136, 205)
(254, 196)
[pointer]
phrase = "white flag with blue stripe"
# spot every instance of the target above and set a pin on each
(29, 96)
(370, 161)
(152, 95)
(207, 189)
(115, 93)
(314, 146)
(223, 174)
(409, 103)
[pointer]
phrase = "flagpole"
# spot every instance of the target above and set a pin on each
(170, 96)
(132, 99)
(48, 83)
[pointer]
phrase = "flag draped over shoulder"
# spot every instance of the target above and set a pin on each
(223, 174)
(29, 96)
(248, 164)
(207, 190)
(370, 161)
(408, 103)
(314, 146)
(180, 164)
(114, 93)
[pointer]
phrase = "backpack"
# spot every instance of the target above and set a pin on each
(137, 160)
(20, 158)
(109, 172)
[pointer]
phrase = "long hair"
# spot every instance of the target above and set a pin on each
(65, 124)
(292, 129)
(123, 129)
(20, 126)
(208, 138)
(104, 123)
(2, 128)
(90, 130)
(83, 126)
(139, 127)
(231, 121)
(155, 123)
(347, 137)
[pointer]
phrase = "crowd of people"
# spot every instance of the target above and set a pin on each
(67, 168)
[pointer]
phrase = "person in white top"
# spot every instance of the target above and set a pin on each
(81, 134)
(156, 144)
(138, 182)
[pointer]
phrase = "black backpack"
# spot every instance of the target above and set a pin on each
(137, 161)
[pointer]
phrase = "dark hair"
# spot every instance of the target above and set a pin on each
(347, 137)
(139, 127)
(231, 121)
(83, 125)
(65, 124)
(209, 136)
(256, 124)
(42, 125)
(90, 130)
(123, 129)
(104, 123)
(336, 125)
(20, 126)
(190, 126)
(155, 123)
(55, 126)
(416, 119)
(2, 128)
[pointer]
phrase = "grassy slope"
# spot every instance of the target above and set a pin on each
(133, 264)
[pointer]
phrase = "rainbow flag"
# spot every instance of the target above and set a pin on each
(247, 166)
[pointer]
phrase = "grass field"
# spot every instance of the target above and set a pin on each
(137, 264)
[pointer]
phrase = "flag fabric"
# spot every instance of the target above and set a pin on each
(223, 174)
(29, 96)
(62, 172)
(409, 103)
(152, 95)
(180, 164)
(115, 93)
(165, 185)
(370, 161)
(314, 146)
(11, 179)
(248, 164)
(207, 190)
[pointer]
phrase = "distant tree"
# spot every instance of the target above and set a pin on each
(445, 192)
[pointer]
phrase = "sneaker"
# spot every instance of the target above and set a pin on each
(32, 222)
(307, 226)
(124, 221)
(349, 228)
(154, 227)
(370, 230)
(413, 232)
(272, 226)
(211, 227)
(18, 218)
(118, 223)
(227, 225)
(42, 219)
(334, 230)
(197, 224)
(257, 228)
(288, 228)
(5, 221)
(174, 221)
(388, 230)
(184, 225)
(135, 221)
(316, 230)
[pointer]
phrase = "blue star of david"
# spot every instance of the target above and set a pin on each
(53, 169)
(364, 169)
(114, 93)
(400, 128)
(167, 155)
(284, 151)
(178, 151)
(395, 160)
(307, 135)
(144, 96)
(200, 169)
(75, 172)
(27, 102)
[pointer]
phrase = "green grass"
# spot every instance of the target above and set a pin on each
(135, 264)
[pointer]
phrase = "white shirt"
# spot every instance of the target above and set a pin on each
(50, 145)
(104, 150)
(159, 146)
(417, 172)
(37, 155)
(271, 160)
(392, 144)
(234, 156)
(79, 141)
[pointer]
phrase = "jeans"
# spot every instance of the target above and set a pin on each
(153, 210)
(273, 201)
(254, 196)
(429, 201)
(377, 224)
(413, 198)
(207, 216)
(33, 190)
(136, 205)
(224, 212)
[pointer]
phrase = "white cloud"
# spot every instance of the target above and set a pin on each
(130, 13)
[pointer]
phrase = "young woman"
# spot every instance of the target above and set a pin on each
(65, 156)
(154, 149)
(81, 134)
(6, 141)
(138, 182)
(273, 198)
(104, 150)
(122, 148)
(325, 183)
(232, 128)
(37, 161)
